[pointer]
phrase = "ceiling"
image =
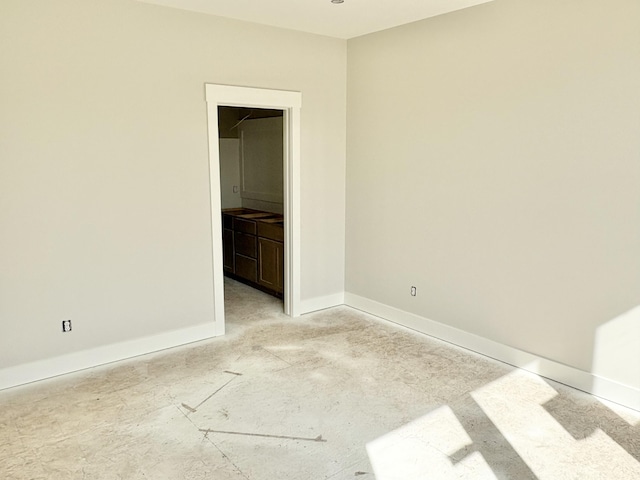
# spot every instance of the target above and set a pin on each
(347, 20)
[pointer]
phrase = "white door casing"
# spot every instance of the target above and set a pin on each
(290, 102)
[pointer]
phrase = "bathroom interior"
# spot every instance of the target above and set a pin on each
(251, 184)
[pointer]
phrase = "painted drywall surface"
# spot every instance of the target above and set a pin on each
(230, 173)
(104, 195)
(506, 185)
(261, 160)
(264, 206)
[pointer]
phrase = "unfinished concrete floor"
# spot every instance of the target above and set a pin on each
(332, 395)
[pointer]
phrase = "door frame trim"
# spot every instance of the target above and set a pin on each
(290, 102)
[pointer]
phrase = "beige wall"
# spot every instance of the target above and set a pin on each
(506, 183)
(261, 163)
(230, 173)
(104, 207)
(505, 186)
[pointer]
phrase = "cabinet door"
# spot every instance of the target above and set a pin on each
(271, 264)
(227, 250)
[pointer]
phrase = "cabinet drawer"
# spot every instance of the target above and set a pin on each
(271, 231)
(247, 267)
(245, 244)
(244, 226)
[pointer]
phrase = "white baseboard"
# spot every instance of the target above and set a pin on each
(320, 303)
(73, 362)
(585, 381)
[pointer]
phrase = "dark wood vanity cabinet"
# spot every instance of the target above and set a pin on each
(271, 256)
(253, 248)
(227, 244)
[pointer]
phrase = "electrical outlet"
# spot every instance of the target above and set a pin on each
(414, 291)
(66, 326)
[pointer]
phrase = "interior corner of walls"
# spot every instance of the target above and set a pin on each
(320, 303)
(626, 395)
(73, 362)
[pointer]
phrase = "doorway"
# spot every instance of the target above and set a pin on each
(251, 183)
(289, 103)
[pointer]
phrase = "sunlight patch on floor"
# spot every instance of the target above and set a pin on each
(515, 404)
(424, 447)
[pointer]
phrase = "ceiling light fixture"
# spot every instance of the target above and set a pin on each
(337, 1)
